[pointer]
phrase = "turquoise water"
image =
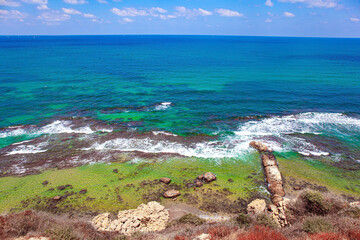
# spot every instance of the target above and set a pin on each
(296, 94)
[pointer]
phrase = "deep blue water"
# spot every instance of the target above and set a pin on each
(185, 84)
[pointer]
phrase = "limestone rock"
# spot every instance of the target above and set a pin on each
(355, 204)
(171, 193)
(146, 218)
(257, 206)
(203, 236)
(259, 146)
(165, 180)
(198, 183)
(57, 198)
(200, 177)
(209, 177)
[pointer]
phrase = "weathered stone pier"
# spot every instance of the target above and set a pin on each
(274, 181)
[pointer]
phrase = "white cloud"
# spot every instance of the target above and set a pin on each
(71, 11)
(315, 3)
(42, 2)
(129, 12)
(268, 20)
(102, 1)
(134, 12)
(9, 3)
(289, 14)
(162, 16)
(128, 20)
(75, 2)
(156, 11)
(354, 19)
(191, 13)
(269, 3)
(204, 12)
(89, 15)
(53, 16)
(12, 14)
(42, 7)
(228, 13)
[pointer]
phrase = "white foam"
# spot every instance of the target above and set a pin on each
(282, 127)
(63, 127)
(56, 127)
(29, 149)
(163, 106)
(202, 149)
(164, 133)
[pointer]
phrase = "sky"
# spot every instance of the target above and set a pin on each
(294, 18)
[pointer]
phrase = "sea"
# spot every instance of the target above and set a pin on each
(184, 96)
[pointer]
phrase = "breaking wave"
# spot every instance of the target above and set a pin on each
(56, 127)
(288, 130)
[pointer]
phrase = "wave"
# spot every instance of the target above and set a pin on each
(162, 106)
(56, 127)
(286, 128)
(29, 149)
(214, 149)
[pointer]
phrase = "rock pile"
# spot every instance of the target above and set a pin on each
(146, 218)
(277, 213)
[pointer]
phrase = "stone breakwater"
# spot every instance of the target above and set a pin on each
(149, 217)
(275, 182)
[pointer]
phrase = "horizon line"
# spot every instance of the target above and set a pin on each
(210, 35)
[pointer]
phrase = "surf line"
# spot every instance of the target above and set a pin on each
(274, 181)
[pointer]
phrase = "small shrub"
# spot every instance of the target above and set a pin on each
(243, 220)
(317, 225)
(191, 219)
(61, 233)
(320, 204)
(315, 203)
(327, 236)
(179, 237)
(220, 232)
(353, 234)
(353, 212)
(261, 233)
(265, 220)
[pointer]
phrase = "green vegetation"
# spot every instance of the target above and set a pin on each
(134, 183)
(243, 220)
(265, 220)
(191, 219)
(321, 173)
(317, 225)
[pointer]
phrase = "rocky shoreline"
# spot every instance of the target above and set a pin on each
(156, 221)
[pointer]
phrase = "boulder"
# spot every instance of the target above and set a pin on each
(198, 183)
(146, 218)
(165, 180)
(355, 204)
(256, 207)
(171, 193)
(209, 177)
(259, 146)
(200, 177)
(57, 198)
(83, 191)
(203, 236)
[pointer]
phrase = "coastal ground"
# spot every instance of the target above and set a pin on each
(110, 187)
